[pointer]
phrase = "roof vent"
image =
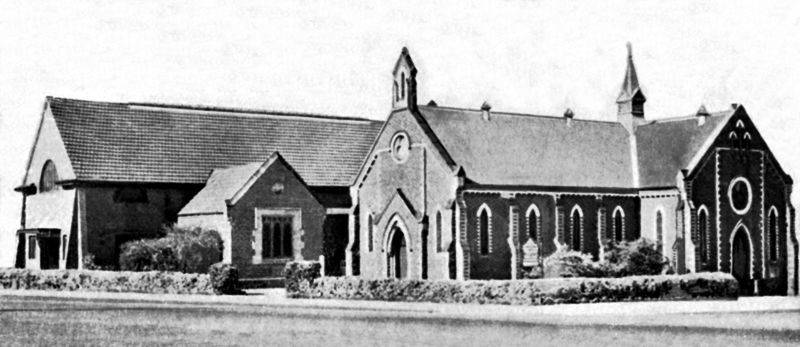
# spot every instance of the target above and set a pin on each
(486, 110)
(701, 114)
(569, 114)
(432, 103)
(702, 111)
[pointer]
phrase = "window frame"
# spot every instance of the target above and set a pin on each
(484, 232)
(48, 177)
(618, 211)
(576, 209)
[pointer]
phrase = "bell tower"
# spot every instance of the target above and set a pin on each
(631, 99)
(404, 91)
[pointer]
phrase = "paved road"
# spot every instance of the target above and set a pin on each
(47, 321)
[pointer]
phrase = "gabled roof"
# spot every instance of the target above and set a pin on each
(154, 143)
(518, 149)
(228, 185)
(664, 147)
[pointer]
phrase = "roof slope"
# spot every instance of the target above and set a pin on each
(221, 186)
(664, 147)
(514, 149)
(181, 144)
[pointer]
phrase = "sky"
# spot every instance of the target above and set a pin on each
(335, 57)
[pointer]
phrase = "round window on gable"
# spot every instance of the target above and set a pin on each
(740, 195)
(400, 147)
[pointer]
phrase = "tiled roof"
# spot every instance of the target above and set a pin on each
(518, 149)
(515, 149)
(664, 147)
(181, 144)
(221, 186)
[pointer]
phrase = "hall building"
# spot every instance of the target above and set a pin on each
(466, 193)
(103, 173)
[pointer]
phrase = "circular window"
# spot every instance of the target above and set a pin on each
(740, 195)
(400, 147)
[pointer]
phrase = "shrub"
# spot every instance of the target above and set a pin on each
(568, 263)
(185, 250)
(630, 258)
(106, 281)
(299, 276)
(224, 278)
(523, 292)
(89, 262)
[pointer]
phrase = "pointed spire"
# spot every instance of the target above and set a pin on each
(630, 85)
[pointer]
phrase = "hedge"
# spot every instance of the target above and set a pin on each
(517, 292)
(106, 281)
(225, 278)
(189, 250)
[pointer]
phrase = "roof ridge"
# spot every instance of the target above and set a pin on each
(684, 118)
(210, 108)
(520, 114)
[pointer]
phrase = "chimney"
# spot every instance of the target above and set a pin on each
(486, 111)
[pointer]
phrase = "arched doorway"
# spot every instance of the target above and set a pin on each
(740, 260)
(397, 255)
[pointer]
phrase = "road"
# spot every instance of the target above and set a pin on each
(59, 321)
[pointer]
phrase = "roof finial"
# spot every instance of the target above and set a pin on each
(630, 49)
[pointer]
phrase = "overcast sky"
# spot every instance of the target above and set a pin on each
(336, 57)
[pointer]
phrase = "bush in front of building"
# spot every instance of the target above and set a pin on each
(565, 262)
(189, 250)
(300, 275)
(620, 259)
(524, 292)
(631, 258)
(225, 278)
(106, 281)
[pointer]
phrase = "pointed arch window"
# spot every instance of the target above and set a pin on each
(773, 234)
(619, 224)
(484, 229)
(702, 232)
(576, 226)
(533, 223)
(439, 231)
(659, 229)
(403, 85)
(49, 177)
(396, 92)
(370, 232)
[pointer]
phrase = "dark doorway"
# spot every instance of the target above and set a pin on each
(397, 257)
(20, 261)
(49, 251)
(740, 267)
(334, 244)
(424, 253)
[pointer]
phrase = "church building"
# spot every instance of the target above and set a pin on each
(479, 194)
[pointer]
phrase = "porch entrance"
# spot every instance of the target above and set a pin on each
(740, 261)
(397, 256)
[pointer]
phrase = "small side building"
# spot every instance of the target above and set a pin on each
(265, 213)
